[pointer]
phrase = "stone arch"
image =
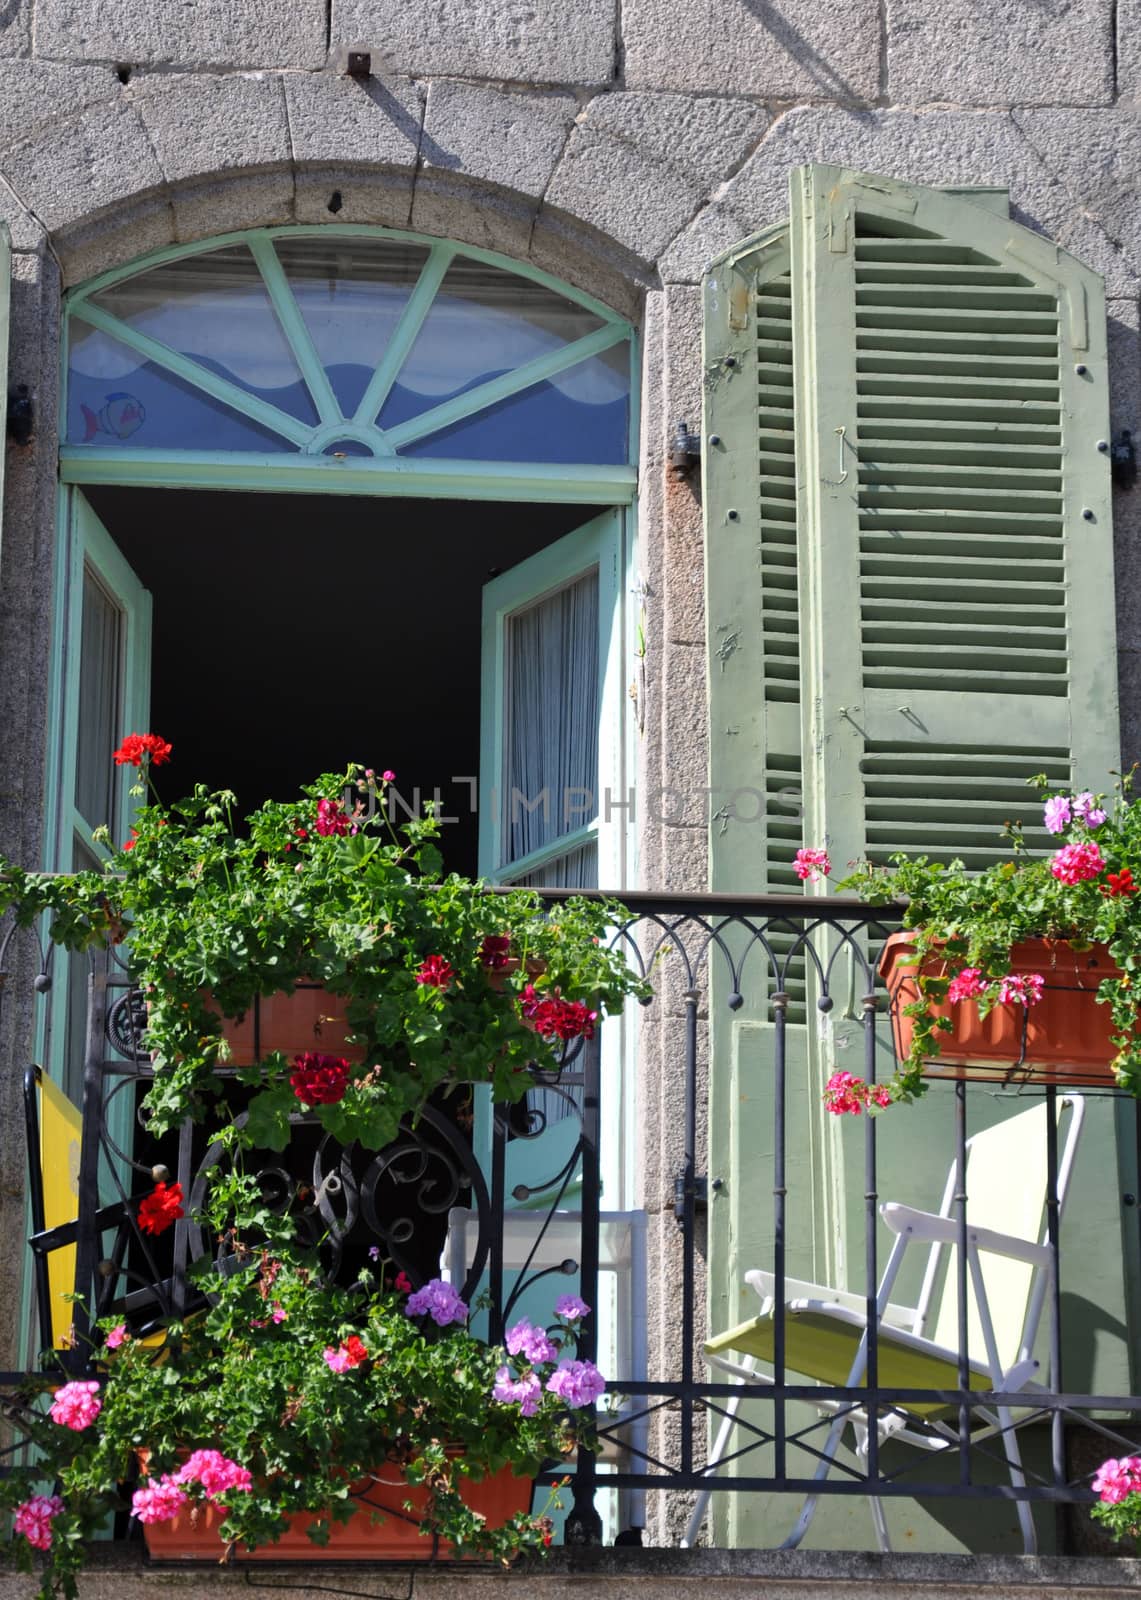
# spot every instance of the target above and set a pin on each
(171, 159)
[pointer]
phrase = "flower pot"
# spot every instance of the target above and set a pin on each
(193, 1535)
(308, 1019)
(497, 976)
(1063, 1039)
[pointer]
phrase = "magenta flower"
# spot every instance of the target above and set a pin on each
(579, 1383)
(77, 1405)
(1114, 1480)
(530, 1342)
(437, 1300)
(34, 1519)
(1025, 990)
(158, 1502)
(116, 1336)
(1057, 813)
(525, 1392)
(811, 865)
(844, 1094)
(215, 1472)
(1087, 809)
(337, 1360)
(1074, 863)
(571, 1307)
(966, 985)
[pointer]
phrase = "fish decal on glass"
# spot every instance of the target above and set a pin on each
(120, 416)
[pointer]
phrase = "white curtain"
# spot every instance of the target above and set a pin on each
(551, 756)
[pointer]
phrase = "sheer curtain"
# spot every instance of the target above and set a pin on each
(551, 756)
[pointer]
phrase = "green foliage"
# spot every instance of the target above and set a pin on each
(964, 919)
(248, 1377)
(219, 914)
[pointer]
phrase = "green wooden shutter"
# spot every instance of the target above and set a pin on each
(956, 579)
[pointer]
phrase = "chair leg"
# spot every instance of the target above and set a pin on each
(808, 1510)
(720, 1445)
(1018, 1481)
(875, 1504)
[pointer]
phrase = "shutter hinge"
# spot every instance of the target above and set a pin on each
(1123, 460)
(21, 420)
(685, 450)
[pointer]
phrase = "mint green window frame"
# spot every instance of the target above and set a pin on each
(85, 547)
(598, 546)
(387, 473)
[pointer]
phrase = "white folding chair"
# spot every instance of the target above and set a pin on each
(1009, 1277)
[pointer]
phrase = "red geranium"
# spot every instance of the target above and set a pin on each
(436, 971)
(355, 1350)
(319, 1080)
(139, 747)
(494, 952)
(161, 1209)
(554, 1018)
(1119, 884)
(331, 819)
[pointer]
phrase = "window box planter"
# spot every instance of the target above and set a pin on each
(193, 1534)
(1064, 1039)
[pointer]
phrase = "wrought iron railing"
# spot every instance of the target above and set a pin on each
(793, 969)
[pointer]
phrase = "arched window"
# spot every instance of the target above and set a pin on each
(373, 350)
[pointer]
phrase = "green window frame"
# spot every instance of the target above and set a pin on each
(387, 472)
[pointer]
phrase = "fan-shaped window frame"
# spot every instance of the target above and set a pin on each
(308, 469)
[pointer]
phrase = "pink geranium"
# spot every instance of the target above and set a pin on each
(1023, 989)
(966, 985)
(525, 1392)
(1115, 1479)
(437, 1300)
(158, 1500)
(1074, 863)
(77, 1405)
(34, 1519)
(215, 1472)
(811, 865)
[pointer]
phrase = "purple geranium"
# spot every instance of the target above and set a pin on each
(525, 1392)
(437, 1300)
(579, 1383)
(571, 1307)
(530, 1342)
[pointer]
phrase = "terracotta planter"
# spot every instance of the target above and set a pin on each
(193, 1535)
(308, 1019)
(497, 976)
(1064, 1039)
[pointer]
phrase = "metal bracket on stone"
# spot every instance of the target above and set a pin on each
(685, 451)
(699, 1190)
(21, 420)
(1123, 460)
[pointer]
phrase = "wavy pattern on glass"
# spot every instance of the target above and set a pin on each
(329, 343)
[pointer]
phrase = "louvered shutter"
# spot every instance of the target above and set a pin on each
(751, 558)
(955, 548)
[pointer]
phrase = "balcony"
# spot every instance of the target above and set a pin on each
(899, 1332)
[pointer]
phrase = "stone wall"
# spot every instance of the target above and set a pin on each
(619, 144)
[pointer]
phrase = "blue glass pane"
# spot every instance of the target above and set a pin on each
(483, 322)
(351, 293)
(214, 309)
(581, 416)
(115, 397)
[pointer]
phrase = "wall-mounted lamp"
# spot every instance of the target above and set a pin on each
(685, 450)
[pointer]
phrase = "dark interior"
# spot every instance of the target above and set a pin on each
(292, 634)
